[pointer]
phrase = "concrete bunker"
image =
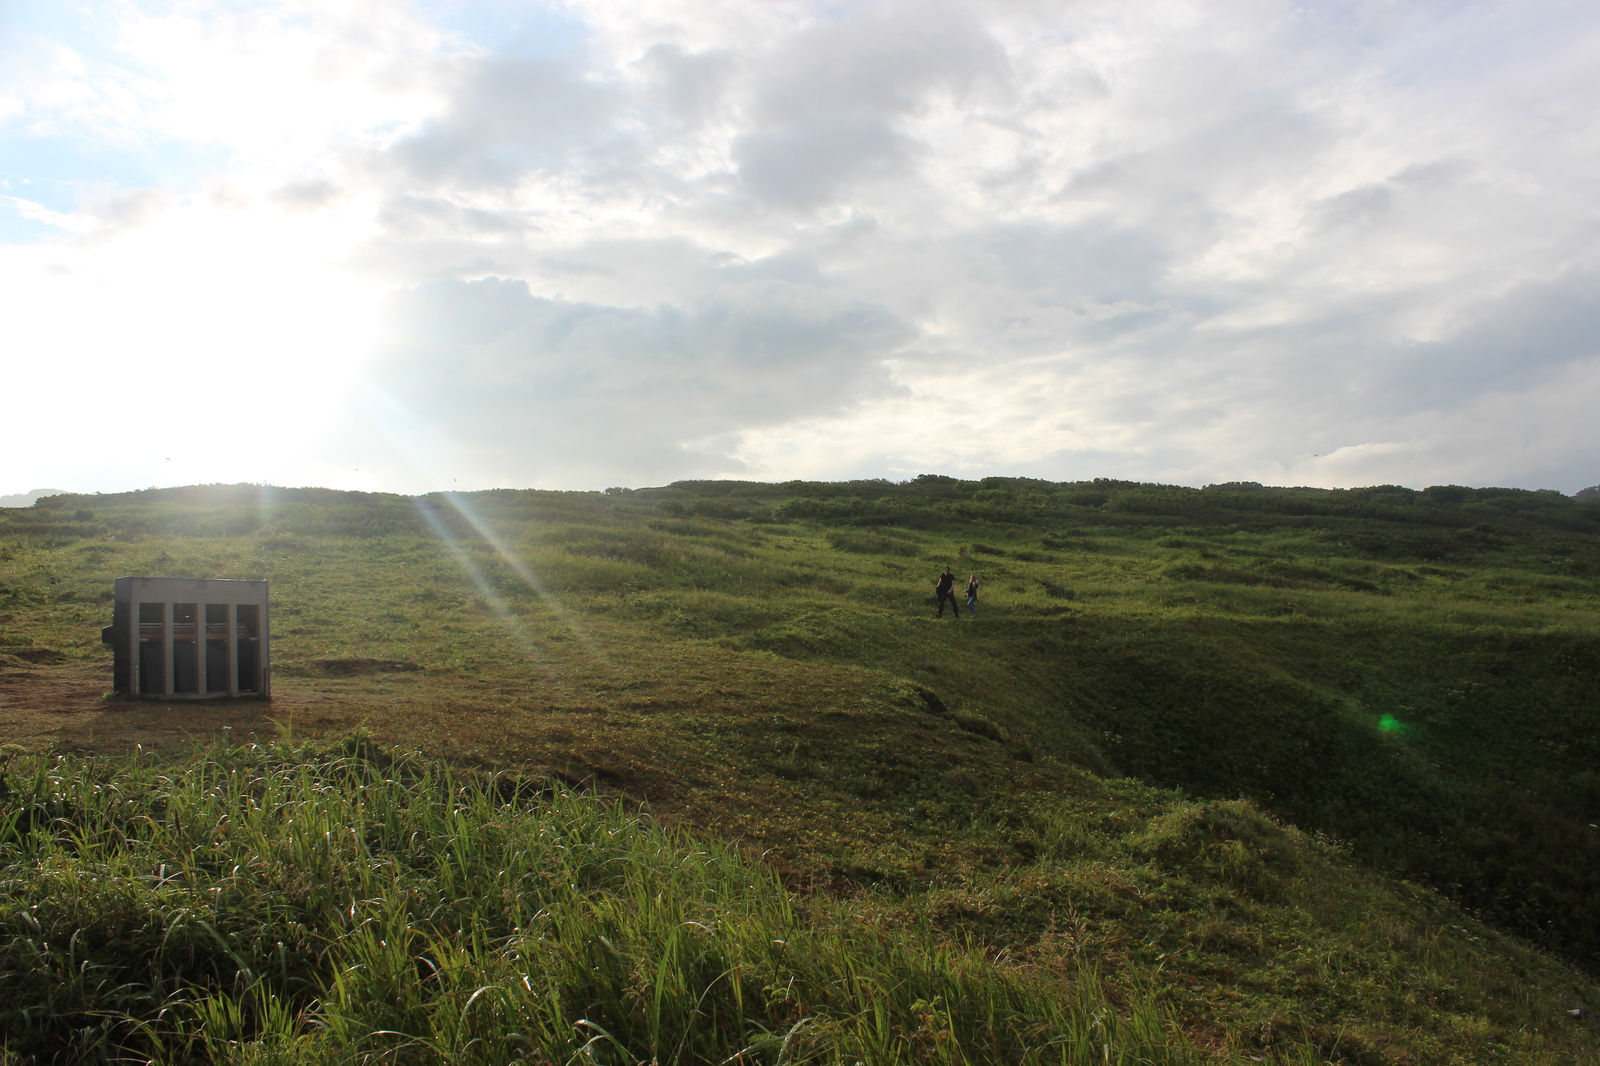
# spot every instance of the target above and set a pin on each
(190, 638)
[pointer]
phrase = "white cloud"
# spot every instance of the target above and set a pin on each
(1175, 241)
(39, 213)
(574, 393)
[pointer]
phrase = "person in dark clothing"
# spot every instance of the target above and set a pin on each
(946, 590)
(972, 595)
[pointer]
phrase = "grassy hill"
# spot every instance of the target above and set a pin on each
(1294, 772)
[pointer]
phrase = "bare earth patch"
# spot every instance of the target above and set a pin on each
(66, 706)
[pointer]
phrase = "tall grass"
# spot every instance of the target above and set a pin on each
(264, 904)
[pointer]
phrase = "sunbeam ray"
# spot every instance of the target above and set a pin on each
(490, 594)
(528, 575)
(404, 430)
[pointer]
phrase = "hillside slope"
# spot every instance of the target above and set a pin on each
(1414, 676)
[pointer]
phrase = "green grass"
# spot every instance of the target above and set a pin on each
(1412, 678)
(304, 905)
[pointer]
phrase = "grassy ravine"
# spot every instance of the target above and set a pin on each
(1414, 677)
(311, 906)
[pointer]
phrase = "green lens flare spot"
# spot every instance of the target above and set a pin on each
(1388, 723)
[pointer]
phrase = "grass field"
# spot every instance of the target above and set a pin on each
(1291, 772)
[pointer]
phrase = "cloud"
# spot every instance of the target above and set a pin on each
(685, 89)
(59, 219)
(508, 117)
(1534, 332)
(1177, 245)
(306, 194)
(653, 238)
(829, 103)
(554, 392)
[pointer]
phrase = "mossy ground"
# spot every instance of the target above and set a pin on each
(1411, 679)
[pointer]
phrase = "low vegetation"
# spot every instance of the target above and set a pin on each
(303, 905)
(1257, 773)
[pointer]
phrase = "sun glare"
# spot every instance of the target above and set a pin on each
(213, 344)
(491, 595)
(520, 567)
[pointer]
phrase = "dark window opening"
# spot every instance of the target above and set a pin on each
(152, 667)
(185, 673)
(249, 666)
(216, 666)
(152, 649)
(249, 622)
(185, 656)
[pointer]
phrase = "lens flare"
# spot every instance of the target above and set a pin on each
(490, 594)
(413, 440)
(529, 577)
(264, 504)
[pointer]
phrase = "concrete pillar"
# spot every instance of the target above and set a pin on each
(168, 610)
(135, 665)
(202, 684)
(233, 649)
(264, 657)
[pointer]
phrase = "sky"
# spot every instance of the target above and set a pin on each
(410, 246)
